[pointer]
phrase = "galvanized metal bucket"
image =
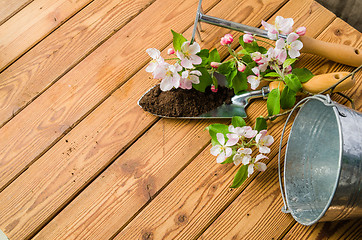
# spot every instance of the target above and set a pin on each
(322, 164)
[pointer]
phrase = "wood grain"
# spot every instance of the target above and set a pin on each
(9, 8)
(201, 191)
(135, 87)
(70, 99)
(227, 225)
(49, 60)
(32, 24)
(101, 138)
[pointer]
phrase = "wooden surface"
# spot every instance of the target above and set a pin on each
(79, 159)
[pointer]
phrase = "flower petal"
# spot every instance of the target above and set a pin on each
(153, 52)
(215, 150)
(220, 138)
(297, 45)
(237, 159)
(264, 149)
(232, 140)
(228, 152)
(280, 44)
(268, 140)
(292, 37)
(260, 156)
(250, 169)
(186, 63)
(195, 59)
(231, 129)
(221, 157)
(260, 166)
(255, 71)
(246, 159)
(196, 72)
(194, 48)
(166, 83)
(294, 53)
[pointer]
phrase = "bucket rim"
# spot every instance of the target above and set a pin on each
(328, 103)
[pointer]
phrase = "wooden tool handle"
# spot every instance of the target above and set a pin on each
(321, 82)
(336, 52)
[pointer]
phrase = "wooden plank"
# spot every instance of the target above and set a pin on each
(9, 8)
(97, 140)
(44, 64)
(98, 197)
(32, 24)
(173, 217)
(71, 98)
(233, 215)
(350, 230)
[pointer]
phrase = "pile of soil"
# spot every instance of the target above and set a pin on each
(184, 103)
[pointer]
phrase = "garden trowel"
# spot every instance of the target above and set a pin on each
(239, 102)
(336, 52)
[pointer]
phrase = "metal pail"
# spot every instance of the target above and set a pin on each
(322, 164)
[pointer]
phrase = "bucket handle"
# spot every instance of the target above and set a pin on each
(326, 99)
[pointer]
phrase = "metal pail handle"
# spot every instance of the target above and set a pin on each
(326, 99)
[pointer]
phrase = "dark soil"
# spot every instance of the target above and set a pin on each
(184, 103)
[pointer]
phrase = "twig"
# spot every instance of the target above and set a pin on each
(280, 114)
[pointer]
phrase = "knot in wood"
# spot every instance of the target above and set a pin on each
(338, 32)
(147, 236)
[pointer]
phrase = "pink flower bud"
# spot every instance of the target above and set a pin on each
(215, 64)
(288, 69)
(301, 31)
(256, 56)
(170, 51)
(227, 39)
(213, 89)
(241, 67)
(248, 38)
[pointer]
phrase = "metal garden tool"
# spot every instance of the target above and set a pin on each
(240, 102)
(336, 52)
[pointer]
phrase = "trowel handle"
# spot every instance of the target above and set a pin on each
(321, 82)
(336, 52)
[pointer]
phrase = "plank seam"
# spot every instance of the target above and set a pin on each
(15, 12)
(76, 63)
(86, 114)
(90, 181)
(42, 38)
(161, 189)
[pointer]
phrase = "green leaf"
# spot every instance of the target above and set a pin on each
(239, 82)
(238, 121)
(217, 128)
(263, 50)
(273, 102)
(243, 51)
(226, 67)
(289, 62)
(204, 54)
(240, 176)
(178, 40)
(303, 74)
(231, 76)
(287, 99)
(260, 124)
(272, 74)
(214, 56)
(293, 82)
(205, 80)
